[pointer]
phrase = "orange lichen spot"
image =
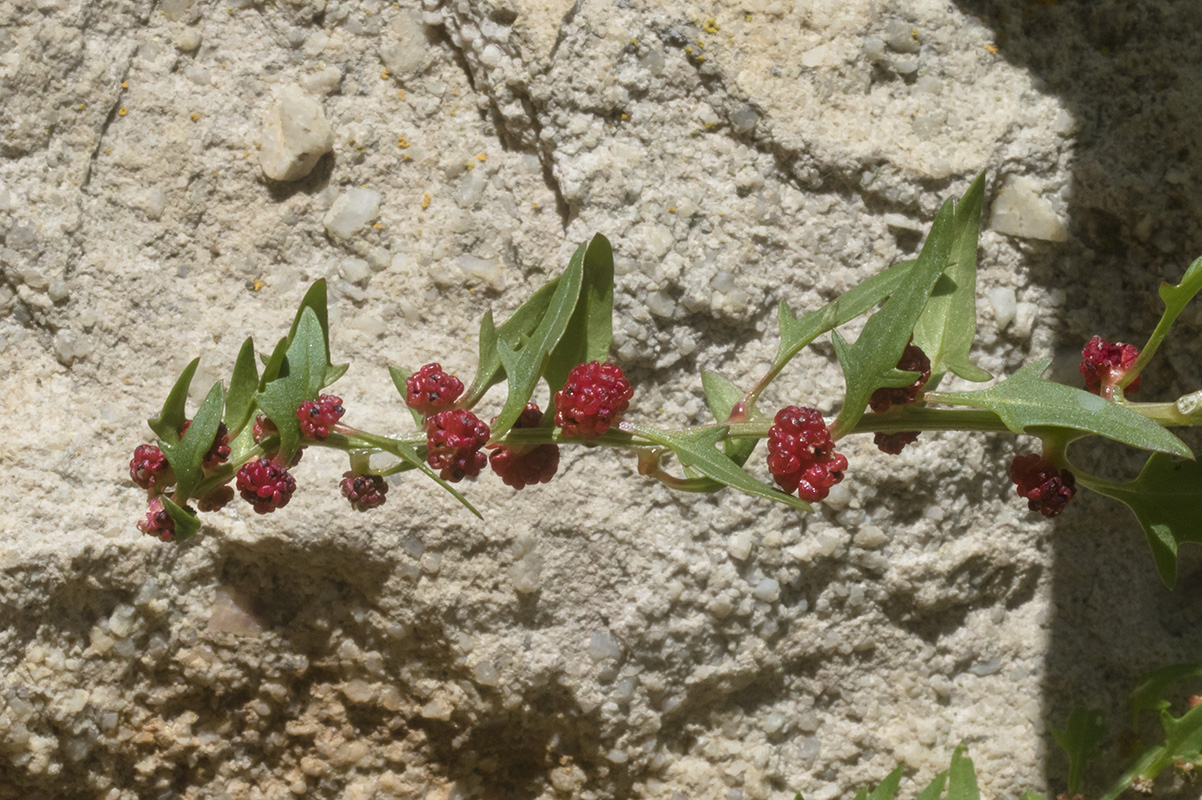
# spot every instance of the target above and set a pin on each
(688, 49)
(425, 201)
(82, 106)
(991, 48)
(384, 74)
(671, 209)
(121, 112)
(124, 84)
(535, 206)
(712, 26)
(400, 94)
(402, 142)
(195, 117)
(481, 156)
(634, 42)
(625, 117)
(256, 285)
(378, 226)
(406, 157)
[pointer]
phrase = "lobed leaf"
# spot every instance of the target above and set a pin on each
(871, 362)
(302, 372)
(1182, 742)
(186, 523)
(948, 325)
(240, 400)
(698, 450)
(1166, 499)
(1149, 691)
(1025, 401)
(1081, 738)
(1175, 299)
(186, 454)
(171, 418)
(515, 330)
(524, 362)
(590, 330)
(722, 396)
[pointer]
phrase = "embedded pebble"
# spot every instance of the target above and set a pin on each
(767, 590)
(1020, 211)
(1005, 306)
(351, 211)
(295, 136)
(602, 646)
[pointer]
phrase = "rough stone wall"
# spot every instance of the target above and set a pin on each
(599, 637)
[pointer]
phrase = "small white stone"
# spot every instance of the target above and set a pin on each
(1005, 306)
(351, 211)
(767, 591)
(739, 545)
(154, 203)
(324, 81)
(356, 270)
(295, 136)
(839, 497)
(602, 646)
(484, 269)
(526, 573)
(486, 674)
(408, 53)
(1020, 211)
(870, 538)
(437, 709)
(187, 40)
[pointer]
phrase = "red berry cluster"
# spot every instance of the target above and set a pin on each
(453, 442)
(592, 397)
(316, 417)
(363, 491)
(219, 453)
(150, 470)
(430, 390)
(801, 455)
(158, 522)
(1104, 364)
(265, 485)
(1046, 487)
(520, 467)
(913, 359)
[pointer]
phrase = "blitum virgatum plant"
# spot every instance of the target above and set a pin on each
(920, 328)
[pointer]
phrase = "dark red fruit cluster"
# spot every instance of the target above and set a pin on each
(150, 470)
(318, 416)
(265, 485)
(364, 491)
(430, 390)
(453, 442)
(219, 453)
(913, 359)
(592, 397)
(1046, 487)
(158, 523)
(801, 455)
(520, 467)
(1104, 364)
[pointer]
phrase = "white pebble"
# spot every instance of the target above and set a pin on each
(602, 646)
(526, 574)
(767, 591)
(870, 538)
(1005, 306)
(839, 497)
(739, 545)
(351, 211)
(486, 674)
(356, 270)
(1020, 211)
(295, 136)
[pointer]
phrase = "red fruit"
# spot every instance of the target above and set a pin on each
(592, 397)
(364, 491)
(801, 455)
(894, 443)
(520, 467)
(150, 470)
(318, 416)
(158, 522)
(216, 499)
(265, 485)
(1104, 364)
(430, 390)
(220, 451)
(1046, 487)
(453, 442)
(912, 360)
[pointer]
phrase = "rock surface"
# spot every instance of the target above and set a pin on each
(597, 637)
(295, 136)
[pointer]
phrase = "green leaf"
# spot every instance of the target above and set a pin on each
(871, 362)
(1175, 299)
(1029, 795)
(1149, 691)
(274, 363)
(302, 372)
(1025, 401)
(1080, 740)
(888, 787)
(409, 455)
(722, 396)
(590, 331)
(934, 790)
(186, 523)
(1183, 742)
(240, 401)
(399, 375)
(186, 454)
(796, 333)
(524, 364)
(514, 330)
(962, 778)
(316, 300)
(171, 418)
(948, 325)
(698, 450)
